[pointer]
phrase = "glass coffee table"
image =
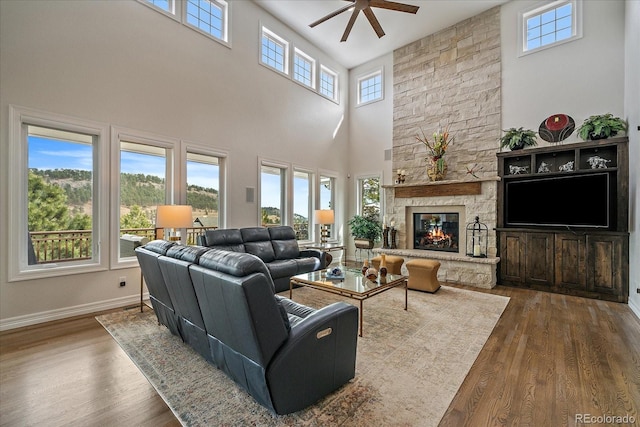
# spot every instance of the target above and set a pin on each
(354, 285)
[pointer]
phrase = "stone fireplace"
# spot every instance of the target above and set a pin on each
(451, 78)
(435, 230)
(428, 216)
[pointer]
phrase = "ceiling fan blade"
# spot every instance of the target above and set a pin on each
(373, 21)
(352, 20)
(331, 15)
(391, 5)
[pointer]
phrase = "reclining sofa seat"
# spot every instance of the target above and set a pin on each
(148, 258)
(276, 246)
(286, 355)
(175, 271)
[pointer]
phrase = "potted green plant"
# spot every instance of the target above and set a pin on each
(517, 139)
(601, 126)
(365, 230)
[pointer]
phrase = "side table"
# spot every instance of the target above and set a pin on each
(329, 247)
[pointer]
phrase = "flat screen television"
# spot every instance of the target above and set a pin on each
(561, 201)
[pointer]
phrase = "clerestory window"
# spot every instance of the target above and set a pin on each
(328, 83)
(550, 25)
(274, 51)
(370, 87)
(209, 17)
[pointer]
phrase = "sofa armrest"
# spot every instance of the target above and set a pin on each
(321, 255)
(318, 357)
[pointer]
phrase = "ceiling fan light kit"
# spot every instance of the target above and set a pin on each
(365, 6)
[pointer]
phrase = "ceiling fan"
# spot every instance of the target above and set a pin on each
(365, 6)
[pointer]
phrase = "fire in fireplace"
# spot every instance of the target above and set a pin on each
(436, 231)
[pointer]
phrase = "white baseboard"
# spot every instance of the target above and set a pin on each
(635, 308)
(63, 313)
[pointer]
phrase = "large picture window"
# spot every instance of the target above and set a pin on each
(302, 203)
(369, 196)
(272, 194)
(203, 188)
(58, 168)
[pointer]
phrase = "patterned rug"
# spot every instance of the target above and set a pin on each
(409, 364)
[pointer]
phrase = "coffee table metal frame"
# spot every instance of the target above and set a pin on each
(354, 285)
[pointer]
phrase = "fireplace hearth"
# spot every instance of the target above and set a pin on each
(436, 231)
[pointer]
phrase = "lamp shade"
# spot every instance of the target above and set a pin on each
(174, 216)
(324, 216)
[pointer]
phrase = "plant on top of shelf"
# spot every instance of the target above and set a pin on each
(517, 139)
(601, 126)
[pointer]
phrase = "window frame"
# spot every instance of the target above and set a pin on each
(541, 8)
(226, 12)
(279, 40)
(326, 70)
(187, 147)
(285, 186)
(310, 200)
(333, 228)
(365, 77)
(173, 13)
(359, 193)
(297, 52)
(119, 135)
(19, 119)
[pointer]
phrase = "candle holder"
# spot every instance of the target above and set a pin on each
(477, 237)
(393, 238)
(385, 237)
(401, 176)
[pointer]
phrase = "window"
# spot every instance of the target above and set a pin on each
(328, 83)
(275, 51)
(203, 188)
(369, 196)
(370, 88)
(304, 68)
(208, 16)
(549, 25)
(168, 6)
(143, 186)
(302, 191)
(58, 169)
(327, 199)
(272, 194)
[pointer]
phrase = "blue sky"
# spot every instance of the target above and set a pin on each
(55, 154)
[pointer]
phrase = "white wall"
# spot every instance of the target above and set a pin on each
(124, 64)
(632, 114)
(580, 78)
(370, 132)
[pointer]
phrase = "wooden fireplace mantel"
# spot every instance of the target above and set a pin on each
(439, 188)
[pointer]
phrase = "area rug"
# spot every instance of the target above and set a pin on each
(409, 364)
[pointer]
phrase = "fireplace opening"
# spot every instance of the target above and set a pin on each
(436, 231)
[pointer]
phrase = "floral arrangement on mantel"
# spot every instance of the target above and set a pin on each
(437, 148)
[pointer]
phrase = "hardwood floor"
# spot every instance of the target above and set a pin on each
(550, 357)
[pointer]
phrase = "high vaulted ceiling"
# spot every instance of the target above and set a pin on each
(363, 44)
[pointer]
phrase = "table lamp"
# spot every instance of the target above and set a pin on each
(174, 217)
(324, 217)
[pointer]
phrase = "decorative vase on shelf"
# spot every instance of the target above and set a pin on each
(436, 168)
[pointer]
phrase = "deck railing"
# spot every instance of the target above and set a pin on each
(76, 245)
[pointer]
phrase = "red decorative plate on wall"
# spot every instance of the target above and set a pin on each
(556, 128)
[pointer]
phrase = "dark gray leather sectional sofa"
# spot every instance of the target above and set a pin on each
(223, 304)
(276, 246)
